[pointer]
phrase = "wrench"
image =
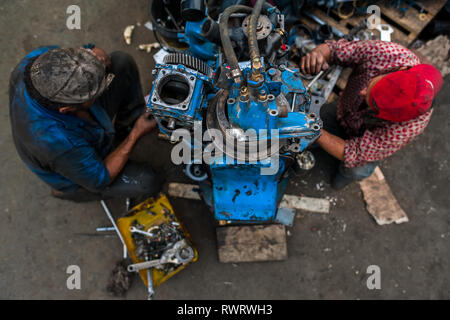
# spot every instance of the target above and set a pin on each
(136, 230)
(150, 288)
(110, 217)
(385, 32)
(181, 252)
(316, 77)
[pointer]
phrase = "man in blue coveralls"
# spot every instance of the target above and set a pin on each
(62, 105)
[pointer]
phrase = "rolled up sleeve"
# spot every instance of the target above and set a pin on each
(84, 167)
(347, 53)
(370, 54)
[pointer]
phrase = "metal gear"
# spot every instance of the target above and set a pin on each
(188, 61)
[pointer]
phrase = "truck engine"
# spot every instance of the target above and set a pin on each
(232, 99)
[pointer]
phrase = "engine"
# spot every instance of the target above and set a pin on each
(234, 84)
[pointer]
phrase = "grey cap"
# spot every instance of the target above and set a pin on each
(69, 75)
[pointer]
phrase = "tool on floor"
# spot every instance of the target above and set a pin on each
(110, 217)
(157, 242)
(180, 253)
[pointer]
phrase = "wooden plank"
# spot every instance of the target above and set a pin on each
(190, 191)
(251, 243)
(380, 202)
(327, 19)
(410, 21)
(308, 22)
(305, 203)
(183, 190)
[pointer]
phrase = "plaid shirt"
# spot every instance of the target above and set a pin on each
(369, 59)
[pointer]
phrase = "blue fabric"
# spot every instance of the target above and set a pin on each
(63, 150)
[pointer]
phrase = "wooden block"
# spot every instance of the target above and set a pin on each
(305, 203)
(380, 202)
(251, 243)
(183, 190)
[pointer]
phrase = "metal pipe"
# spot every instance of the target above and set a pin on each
(314, 80)
(110, 217)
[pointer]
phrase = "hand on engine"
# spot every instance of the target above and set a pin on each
(316, 60)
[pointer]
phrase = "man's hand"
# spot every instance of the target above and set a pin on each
(316, 60)
(116, 160)
(143, 125)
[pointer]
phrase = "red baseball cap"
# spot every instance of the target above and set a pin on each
(405, 95)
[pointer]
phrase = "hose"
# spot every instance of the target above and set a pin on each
(228, 50)
(252, 39)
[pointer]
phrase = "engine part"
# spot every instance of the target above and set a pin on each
(178, 93)
(263, 28)
(180, 253)
(193, 10)
(196, 172)
(244, 95)
(306, 160)
(167, 22)
(188, 61)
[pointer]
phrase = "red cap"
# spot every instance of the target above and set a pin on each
(405, 95)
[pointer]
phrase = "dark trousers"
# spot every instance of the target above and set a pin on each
(331, 125)
(124, 103)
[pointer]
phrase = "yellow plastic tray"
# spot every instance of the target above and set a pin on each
(150, 213)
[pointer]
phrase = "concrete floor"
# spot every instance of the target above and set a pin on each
(328, 254)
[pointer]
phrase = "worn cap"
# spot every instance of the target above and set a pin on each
(405, 95)
(68, 75)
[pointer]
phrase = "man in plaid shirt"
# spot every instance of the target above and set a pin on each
(386, 103)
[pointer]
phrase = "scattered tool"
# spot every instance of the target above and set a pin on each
(127, 34)
(181, 253)
(110, 217)
(136, 230)
(385, 32)
(150, 288)
(103, 229)
(314, 80)
(149, 46)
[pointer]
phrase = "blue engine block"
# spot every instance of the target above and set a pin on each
(197, 86)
